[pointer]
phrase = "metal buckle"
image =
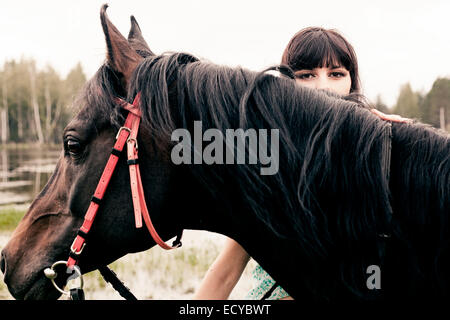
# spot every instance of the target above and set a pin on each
(135, 142)
(120, 130)
(72, 249)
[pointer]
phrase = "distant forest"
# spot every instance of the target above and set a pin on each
(35, 105)
(432, 107)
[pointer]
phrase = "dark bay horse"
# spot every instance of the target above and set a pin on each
(352, 191)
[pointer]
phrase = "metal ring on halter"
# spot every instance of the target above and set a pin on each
(51, 274)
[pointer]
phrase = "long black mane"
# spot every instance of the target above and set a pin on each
(332, 197)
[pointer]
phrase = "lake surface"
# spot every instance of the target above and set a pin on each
(24, 171)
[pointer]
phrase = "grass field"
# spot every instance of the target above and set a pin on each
(153, 274)
(10, 217)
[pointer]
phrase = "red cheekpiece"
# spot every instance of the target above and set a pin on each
(127, 134)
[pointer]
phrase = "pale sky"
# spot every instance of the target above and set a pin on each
(395, 41)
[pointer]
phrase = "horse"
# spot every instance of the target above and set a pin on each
(351, 190)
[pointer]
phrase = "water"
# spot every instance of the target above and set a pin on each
(24, 171)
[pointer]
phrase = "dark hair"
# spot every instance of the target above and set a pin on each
(315, 47)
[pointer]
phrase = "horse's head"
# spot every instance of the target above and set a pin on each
(46, 232)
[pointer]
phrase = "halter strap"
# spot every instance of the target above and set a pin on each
(126, 134)
(137, 190)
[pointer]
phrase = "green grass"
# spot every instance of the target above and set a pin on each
(9, 218)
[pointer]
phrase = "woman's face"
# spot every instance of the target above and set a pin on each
(334, 78)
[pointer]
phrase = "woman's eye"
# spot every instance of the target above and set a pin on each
(338, 74)
(305, 76)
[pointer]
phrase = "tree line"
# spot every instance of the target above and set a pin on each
(35, 105)
(432, 107)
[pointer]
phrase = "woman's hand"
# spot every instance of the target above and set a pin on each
(390, 117)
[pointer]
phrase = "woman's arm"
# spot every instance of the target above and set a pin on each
(224, 273)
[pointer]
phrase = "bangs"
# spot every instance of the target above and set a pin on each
(318, 50)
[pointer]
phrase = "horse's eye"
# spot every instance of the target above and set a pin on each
(74, 147)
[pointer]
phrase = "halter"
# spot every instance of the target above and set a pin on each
(126, 134)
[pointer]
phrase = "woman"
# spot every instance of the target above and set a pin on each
(321, 59)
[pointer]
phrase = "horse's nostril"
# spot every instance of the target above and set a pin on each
(3, 263)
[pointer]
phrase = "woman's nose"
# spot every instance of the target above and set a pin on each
(323, 83)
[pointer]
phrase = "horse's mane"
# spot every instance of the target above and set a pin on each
(331, 196)
(330, 149)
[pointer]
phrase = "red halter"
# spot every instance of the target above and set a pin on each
(127, 134)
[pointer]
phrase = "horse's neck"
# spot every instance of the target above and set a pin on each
(419, 162)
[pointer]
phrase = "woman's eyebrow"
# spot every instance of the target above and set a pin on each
(303, 71)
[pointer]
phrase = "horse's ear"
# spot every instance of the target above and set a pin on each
(120, 55)
(136, 39)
